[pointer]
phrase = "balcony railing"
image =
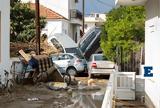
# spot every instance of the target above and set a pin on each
(75, 14)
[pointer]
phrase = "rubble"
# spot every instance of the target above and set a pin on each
(57, 85)
(46, 48)
(33, 99)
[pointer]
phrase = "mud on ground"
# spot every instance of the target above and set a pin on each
(39, 96)
(30, 96)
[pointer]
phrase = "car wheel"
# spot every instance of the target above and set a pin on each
(91, 75)
(67, 79)
(71, 71)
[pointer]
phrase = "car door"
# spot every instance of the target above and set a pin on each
(62, 62)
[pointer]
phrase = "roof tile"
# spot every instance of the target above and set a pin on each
(46, 12)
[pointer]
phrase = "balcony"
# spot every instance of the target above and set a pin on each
(75, 14)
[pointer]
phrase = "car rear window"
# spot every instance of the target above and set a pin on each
(57, 45)
(99, 58)
(76, 51)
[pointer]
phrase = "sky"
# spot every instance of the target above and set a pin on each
(97, 6)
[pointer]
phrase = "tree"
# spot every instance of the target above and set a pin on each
(23, 22)
(123, 28)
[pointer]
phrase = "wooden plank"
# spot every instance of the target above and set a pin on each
(24, 55)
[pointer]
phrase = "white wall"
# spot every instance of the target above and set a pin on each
(4, 44)
(71, 31)
(92, 20)
(65, 27)
(56, 26)
(72, 4)
(152, 50)
(52, 27)
(78, 33)
(89, 26)
(152, 88)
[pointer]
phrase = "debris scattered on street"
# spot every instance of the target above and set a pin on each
(91, 82)
(57, 85)
(33, 99)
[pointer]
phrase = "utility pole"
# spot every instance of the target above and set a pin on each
(37, 28)
(83, 11)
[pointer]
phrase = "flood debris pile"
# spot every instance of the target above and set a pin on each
(46, 48)
(38, 68)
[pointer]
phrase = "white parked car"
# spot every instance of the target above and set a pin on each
(99, 65)
(70, 63)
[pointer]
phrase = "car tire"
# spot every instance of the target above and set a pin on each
(72, 71)
(91, 75)
(67, 79)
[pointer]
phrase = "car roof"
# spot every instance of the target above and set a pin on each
(64, 40)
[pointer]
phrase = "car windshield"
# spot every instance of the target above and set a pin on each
(99, 58)
(76, 51)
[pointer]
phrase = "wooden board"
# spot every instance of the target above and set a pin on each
(24, 55)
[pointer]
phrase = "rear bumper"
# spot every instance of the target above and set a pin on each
(101, 71)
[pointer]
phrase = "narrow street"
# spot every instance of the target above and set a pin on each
(39, 96)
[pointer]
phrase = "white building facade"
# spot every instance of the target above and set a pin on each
(152, 48)
(68, 9)
(94, 19)
(4, 37)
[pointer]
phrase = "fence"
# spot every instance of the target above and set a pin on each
(107, 101)
(129, 61)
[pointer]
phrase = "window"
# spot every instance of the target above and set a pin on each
(63, 57)
(57, 44)
(97, 15)
(100, 57)
(70, 57)
(74, 50)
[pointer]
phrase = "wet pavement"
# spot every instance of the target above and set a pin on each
(129, 104)
(39, 96)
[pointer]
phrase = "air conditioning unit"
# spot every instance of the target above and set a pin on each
(73, 13)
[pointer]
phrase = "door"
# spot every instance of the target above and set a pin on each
(125, 85)
(62, 62)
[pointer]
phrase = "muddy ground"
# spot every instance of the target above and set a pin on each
(39, 96)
